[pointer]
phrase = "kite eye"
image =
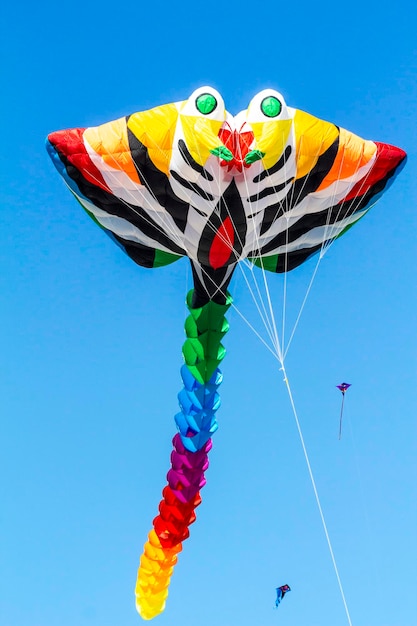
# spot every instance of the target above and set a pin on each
(267, 106)
(271, 106)
(206, 103)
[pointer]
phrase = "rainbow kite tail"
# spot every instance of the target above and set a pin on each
(196, 422)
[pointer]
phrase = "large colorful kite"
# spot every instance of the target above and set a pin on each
(272, 184)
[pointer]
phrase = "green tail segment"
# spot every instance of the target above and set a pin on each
(205, 328)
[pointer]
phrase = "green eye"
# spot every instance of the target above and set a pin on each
(206, 103)
(271, 106)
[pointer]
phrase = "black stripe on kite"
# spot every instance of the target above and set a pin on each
(157, 183)
(275, 168)
(186, 155)
(192, 186)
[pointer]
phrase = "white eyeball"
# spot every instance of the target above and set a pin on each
(205, 102)
(267, 105)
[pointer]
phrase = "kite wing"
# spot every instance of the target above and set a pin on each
(343, 387)
(101, 167)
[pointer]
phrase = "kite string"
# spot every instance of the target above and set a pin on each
(316, 494)
(280, 357)
(307, 293)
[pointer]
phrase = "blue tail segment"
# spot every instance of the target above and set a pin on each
(197, 422)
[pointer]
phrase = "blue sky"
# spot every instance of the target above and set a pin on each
(91, 343)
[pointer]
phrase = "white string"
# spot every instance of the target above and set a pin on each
(280, 358)
(313, 482)
(307, 293)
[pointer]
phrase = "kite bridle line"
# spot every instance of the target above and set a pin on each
(181, 243)
(174, 234)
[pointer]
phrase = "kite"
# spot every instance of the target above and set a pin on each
(343, 388)
(281, 591)
(272, 184)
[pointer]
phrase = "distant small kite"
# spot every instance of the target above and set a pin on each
(281, 591)
(343, 388)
